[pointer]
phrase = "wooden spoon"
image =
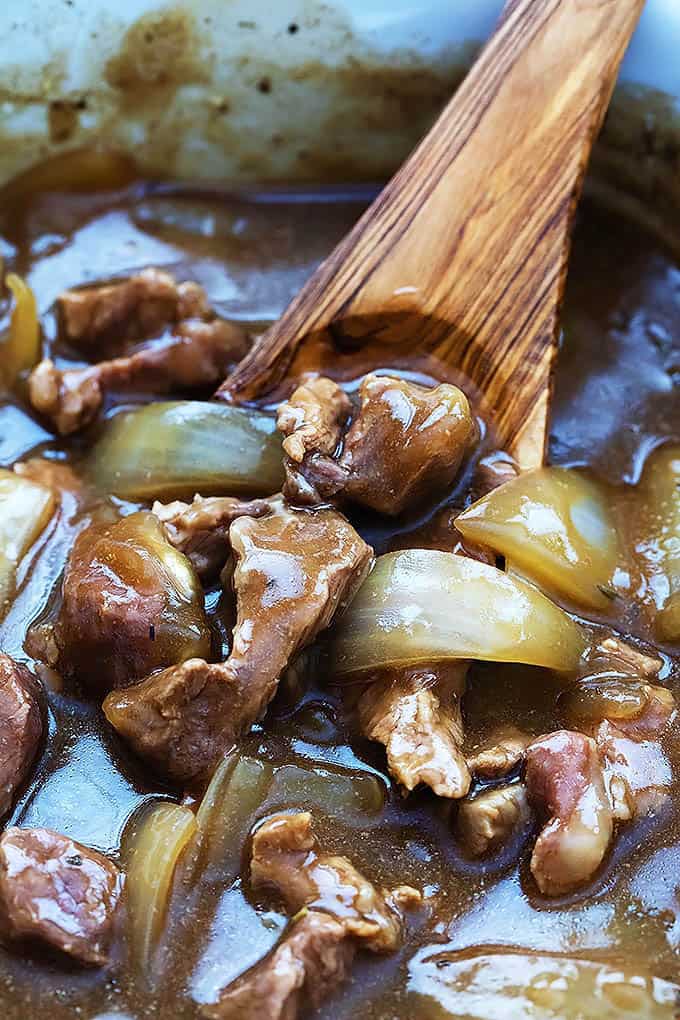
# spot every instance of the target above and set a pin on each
(462, 258)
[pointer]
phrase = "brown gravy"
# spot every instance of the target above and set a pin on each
(616, 399)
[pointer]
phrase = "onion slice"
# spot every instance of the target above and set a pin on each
(20, 350)
(174, 449)
(422, 605)
(556, 528)
(237, 789)
(657, 540)
(152, 853)
(25, 509)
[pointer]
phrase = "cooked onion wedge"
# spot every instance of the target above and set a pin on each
(20, 350)
(238, 788)
(152, 853)
(346, 796)
(25, 509)
(554, 525)
(657, 548)
(173, 449)
(422, 605)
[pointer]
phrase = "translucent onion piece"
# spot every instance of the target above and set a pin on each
(152, 853)
(341, 795)
(422, 605)
(513, 985)
(597, 698)
(174, 449)
(555, 526)
(238, 788)
(20, 350)
(7, 572)
(657, 533)
(25, 509)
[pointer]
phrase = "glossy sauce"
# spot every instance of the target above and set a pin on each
(616, 399)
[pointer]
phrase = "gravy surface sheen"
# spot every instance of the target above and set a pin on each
(616, 400)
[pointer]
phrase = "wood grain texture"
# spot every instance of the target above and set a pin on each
(463, 256)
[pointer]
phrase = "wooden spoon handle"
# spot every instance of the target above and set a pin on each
(464, 253)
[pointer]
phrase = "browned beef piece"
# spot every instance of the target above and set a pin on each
(201, 529)
(501, 752)
(342, 911)
(21, 727)
(294, 570)
(313, 418)
(307, 965)
(405, 443)
(196, 354)
(638, 773)
(565, 779)
(131, 603)
(490, 819)
(416, 714)
(286, 860)
(131, 309)
(57, 891)
(657, 713)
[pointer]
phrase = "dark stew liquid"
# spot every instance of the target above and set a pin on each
(616, 402)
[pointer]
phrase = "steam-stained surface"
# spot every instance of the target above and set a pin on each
(484, 915)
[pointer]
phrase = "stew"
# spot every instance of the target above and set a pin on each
(321, 707)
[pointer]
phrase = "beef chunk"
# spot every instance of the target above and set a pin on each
(313, 419)
(294, 570)
(21, 727)
(637, 771)
(196, 354)
(500, 753)
(307, 965)
(131, 309)
(131, 603)
(182, 719)
(491, 819)
(416, 714)
(57, 891)
(286, 861)
(404, 443)
(340, 911)
(615, 770)
(565, 779)
(656, 714)
(200, 529)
